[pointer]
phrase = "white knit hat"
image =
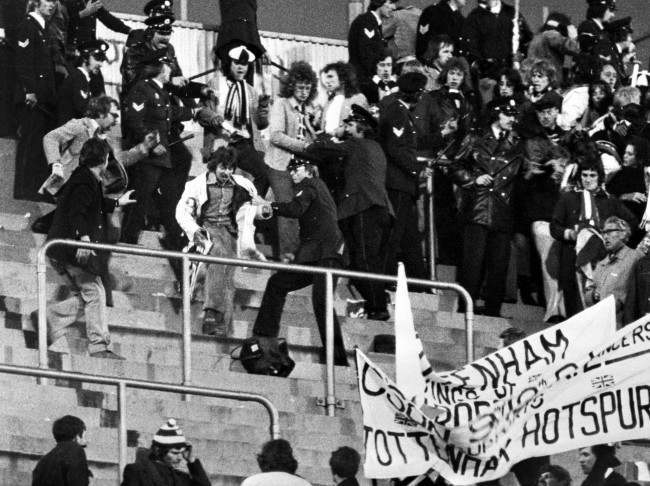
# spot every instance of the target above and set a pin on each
(169, 435)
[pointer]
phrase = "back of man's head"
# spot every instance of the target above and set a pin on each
(93, 152)
(344, 462)
(67, 428)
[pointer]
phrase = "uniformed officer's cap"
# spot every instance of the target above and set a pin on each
(507, 107)
(161, 23)
(156, 57)
(610, 4)
(241, 54)
(411, 83)
(360, 114)
(299, 159)
(158, 7)
(620, 28)
(551, 99)
(96, 48)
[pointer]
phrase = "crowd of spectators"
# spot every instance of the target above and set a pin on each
(537, 145)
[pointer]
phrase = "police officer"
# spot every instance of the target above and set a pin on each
(363, 207)
(619, 50)
(591, 31)
(443, 18)
(365, 39)
(180, 91)
(321, 244)
(82, 28)
(36, 93)
(487, 174)
(75, 91)
(149, 108)
(489, 33)
(397, 134)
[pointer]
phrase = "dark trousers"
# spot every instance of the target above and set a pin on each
(485, 252)
(404, 239)
(365, 236)
(278, 286)
(31, 165)
(252, 161)
(157, 191)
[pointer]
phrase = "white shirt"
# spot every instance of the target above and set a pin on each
(85, 73)
(333, 113)
(496, 10)
(39, 18)
(377, 16)
(275, 478)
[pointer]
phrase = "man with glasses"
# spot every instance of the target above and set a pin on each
(612, 273)
(63, 145)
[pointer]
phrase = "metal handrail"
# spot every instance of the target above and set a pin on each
(329, 274)
(123, 383)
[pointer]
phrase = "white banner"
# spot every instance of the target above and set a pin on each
(601, 395)
(462, 394)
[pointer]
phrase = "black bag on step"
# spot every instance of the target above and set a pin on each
(266, 356)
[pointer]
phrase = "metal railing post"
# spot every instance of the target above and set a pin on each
(432, 227)
(187, 324)
(469, 323)
(121, 431)
(41, 277)
(330, 400)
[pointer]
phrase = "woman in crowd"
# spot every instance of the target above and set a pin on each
(340, 83)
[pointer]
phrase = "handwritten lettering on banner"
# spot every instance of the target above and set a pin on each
(463, 394)
(600, 396)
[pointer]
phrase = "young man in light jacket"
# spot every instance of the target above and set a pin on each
(215, 208)
(291, 131)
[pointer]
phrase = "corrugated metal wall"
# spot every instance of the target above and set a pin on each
(193, 46)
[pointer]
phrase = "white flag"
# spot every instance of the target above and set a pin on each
(408, 347)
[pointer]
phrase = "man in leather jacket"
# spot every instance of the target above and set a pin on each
(487, 174)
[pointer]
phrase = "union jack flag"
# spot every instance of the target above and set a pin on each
(604, 381)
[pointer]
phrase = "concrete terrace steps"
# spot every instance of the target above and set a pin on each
(231, 448)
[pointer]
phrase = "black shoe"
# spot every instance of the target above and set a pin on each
(214, 323)
(378, 315)
(555, 319)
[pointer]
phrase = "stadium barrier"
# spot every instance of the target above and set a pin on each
(122, 384)
(329, 273)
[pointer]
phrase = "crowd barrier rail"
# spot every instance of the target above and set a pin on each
(186, 258)
(122, 384)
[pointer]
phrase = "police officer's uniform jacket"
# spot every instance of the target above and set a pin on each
(437, 20)
(313, 206)
(34, 61)
(148, 108)
(85, 29)
(73, 96)
(489, 206)
(365, 43)
(399, 140)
